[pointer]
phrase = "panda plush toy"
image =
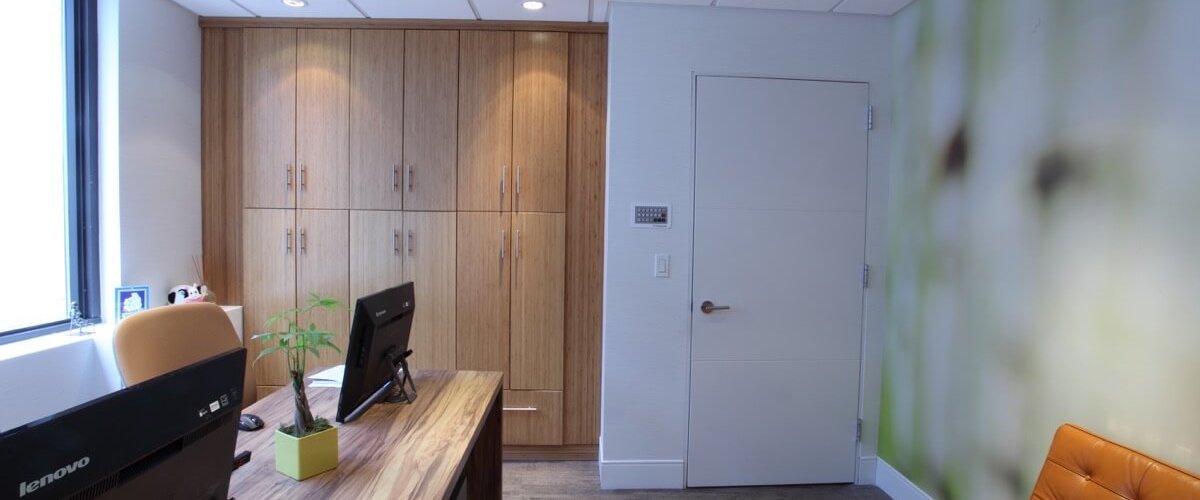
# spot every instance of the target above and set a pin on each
(187, 294)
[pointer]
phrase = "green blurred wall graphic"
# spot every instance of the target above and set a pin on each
(1045, 236)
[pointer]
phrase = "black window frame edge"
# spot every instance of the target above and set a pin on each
(83, 179)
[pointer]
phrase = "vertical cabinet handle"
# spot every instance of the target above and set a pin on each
(395, 242)
(287, 242)
(410, 178)
(503, 174)
(288, 177)
(503, 242)
(517, 244)
(303, 242)
(409, 243)
(303, 178)
(518, 180)
(395, 178)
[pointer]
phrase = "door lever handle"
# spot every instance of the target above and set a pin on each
(707, 307)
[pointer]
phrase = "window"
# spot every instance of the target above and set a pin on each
(48, 191)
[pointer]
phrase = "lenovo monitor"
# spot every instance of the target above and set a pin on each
(378, 349)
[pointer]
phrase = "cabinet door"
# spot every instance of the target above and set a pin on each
(376, 118)
(376, 257)
(539, 250)
(485, 121)
(323, 118)
(533, 418)
(540, 122)
(482, 275)
(429, 243)
(269, 277)
(323, 267)
(430, 120)
(269, 111)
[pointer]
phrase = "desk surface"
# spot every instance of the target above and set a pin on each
(391, 451)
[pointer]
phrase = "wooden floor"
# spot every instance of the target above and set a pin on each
(582, 480)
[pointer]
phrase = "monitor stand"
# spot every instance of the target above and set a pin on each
(404, 390)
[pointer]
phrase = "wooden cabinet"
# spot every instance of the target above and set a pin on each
(533, 418)
(269, 277)
(536, 345)
(323, 118)
(485, 120)
(376, 119)
(430, 120)
(539, 132)
(483, 293)
(376, 258)
(429, 243)
(322, 268)
(269, 103)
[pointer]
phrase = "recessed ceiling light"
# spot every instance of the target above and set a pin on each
(295, 3)
(533, 5)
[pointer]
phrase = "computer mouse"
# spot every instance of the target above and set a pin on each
(249, 422)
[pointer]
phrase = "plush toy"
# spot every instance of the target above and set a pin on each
(187, 294)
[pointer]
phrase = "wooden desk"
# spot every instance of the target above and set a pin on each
(447, 443)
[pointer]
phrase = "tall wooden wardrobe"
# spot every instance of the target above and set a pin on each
(342, 158)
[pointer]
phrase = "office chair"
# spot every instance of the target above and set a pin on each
(164, 339)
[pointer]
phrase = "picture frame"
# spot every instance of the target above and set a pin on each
(132, 299)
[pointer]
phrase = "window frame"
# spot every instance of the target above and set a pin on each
(82, 188)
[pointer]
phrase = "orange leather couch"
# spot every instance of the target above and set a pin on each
(1082, 465)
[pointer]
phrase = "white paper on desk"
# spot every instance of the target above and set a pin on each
(329, 377)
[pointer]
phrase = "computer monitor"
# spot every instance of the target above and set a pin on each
(172, 436)
(378, 348)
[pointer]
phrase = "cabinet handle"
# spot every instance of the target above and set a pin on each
(520, 408)
(518, 188)
(395, 242)
(409, 243)
(287, 242)
(288, 177)
(503, 174)
(410, 178)
(517, 244)
(303, 242)
(395, 178)
(303, 177)
(503, 242)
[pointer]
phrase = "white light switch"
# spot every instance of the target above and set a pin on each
(662, 265)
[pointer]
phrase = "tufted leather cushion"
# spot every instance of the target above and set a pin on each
(1082, 465)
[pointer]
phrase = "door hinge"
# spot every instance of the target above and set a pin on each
(858, 431)
(866, 275)
(870, 117)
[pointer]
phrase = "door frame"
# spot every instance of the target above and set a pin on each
(862, 355)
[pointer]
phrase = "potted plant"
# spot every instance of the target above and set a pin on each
(307, 446)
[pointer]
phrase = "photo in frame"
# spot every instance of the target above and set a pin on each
(132, 299)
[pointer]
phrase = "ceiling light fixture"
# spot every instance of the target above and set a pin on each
(295, 3)
(533, 5)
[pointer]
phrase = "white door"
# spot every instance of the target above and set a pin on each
(781, 176)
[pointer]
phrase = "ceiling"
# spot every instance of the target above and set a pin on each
(505, 10)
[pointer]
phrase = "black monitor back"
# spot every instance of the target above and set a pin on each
(382, 323)
(172, 436)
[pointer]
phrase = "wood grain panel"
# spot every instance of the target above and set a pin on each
(539, 133)
(266, 390)
(585, 238)
(533, 417)
(402, 24)
(269, 92)
(323, 118)
(323, 268)
(269, 269)
(429, 242)
(483, 291)
(232, 154)
(485, 121)
(395, 451)
(539, 249)
(430, 120)
(376, 118)
(376, 260)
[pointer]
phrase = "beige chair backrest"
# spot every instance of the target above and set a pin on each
(165, 339)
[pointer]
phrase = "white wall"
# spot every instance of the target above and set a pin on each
(653, 52)
(159, 145)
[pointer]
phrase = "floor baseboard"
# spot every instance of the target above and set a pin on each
(565, 453)
(642, 475)
(892, 482)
